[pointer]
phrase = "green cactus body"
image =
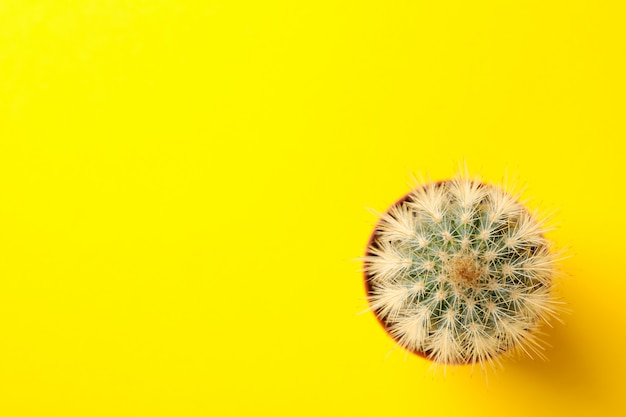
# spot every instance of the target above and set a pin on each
(459, 272)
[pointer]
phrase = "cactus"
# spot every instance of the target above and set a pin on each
(460, 272)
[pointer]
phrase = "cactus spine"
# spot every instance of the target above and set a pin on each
(459, 272)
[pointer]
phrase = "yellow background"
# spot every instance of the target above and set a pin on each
(183, 188)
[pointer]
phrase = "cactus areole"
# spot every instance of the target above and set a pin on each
(459, 272)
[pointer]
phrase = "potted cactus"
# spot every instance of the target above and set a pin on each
(460, 272)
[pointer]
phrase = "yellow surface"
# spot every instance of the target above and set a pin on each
(183, 189)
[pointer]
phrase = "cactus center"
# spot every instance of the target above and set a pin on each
(465, 269)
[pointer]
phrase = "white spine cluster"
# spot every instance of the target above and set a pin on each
(460, 272)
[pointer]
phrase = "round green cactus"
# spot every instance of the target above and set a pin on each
(459, 272)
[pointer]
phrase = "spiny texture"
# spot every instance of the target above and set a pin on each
(459, 272)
